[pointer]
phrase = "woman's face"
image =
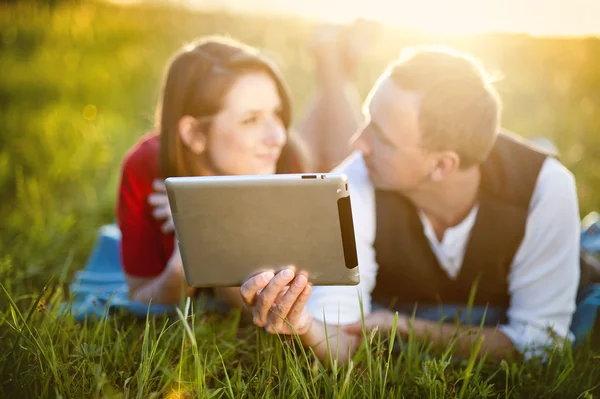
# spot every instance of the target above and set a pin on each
(246, 137)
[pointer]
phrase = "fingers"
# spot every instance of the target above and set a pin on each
(281, 294)
(268, 295)
(168, 226)
(160, 202)
(253, 285)
(280, 309)
(161, 212)
(164, 213)
(158, 185)
(279, 301)
(354, 328)
(299, 318)
(295, 314)
(158, 199)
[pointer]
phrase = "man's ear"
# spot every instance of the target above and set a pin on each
(446, 163)
(191, 134)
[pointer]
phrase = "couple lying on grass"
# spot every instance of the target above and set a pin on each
(443, 200)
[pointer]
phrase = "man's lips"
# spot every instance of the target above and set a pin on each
(369, 166)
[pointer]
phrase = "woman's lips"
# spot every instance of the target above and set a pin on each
(268, 157)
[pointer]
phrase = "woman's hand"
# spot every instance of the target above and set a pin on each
(160, 203)
(277, 306)
(175, 262)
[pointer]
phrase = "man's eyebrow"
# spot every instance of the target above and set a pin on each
(369, 121)
(365, 110)
(380, 133)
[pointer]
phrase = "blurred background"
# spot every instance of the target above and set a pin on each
(79, 82)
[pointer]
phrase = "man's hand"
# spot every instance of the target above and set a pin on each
(277, 306)
(462, 338)
(160, 203)
(381, 319)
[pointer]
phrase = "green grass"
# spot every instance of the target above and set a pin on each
(196, 354)
(79, 85)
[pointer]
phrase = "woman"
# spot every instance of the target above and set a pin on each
(225, 110)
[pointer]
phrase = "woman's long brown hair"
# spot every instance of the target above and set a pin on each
(196, 83)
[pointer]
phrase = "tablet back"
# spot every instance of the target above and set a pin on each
(230, 227)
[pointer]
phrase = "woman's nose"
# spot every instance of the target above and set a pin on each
(275, 133)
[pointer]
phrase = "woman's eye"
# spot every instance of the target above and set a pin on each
(250, 120)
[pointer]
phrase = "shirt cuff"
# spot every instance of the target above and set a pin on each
(533, 341)
(338, 305)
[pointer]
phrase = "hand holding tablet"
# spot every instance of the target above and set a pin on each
(278, 301)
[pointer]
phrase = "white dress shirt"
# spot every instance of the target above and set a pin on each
(543, 276)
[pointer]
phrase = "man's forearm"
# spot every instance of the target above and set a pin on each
(495, 344)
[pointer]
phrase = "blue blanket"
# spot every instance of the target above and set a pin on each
(100, 288)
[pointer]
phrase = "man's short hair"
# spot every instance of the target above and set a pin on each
(460, 109)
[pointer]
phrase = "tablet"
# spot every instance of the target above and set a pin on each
(231, 227)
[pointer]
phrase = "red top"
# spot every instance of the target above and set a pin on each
(145, 249)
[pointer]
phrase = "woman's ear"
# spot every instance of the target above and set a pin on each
(191, 135)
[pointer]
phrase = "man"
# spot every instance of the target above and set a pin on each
(447, 212)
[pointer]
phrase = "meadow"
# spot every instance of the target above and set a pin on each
(79, 82)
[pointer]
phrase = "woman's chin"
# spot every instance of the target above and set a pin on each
(267, 171)
(265, 168)
(258, 168)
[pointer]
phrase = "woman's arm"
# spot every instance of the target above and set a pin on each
(277, 302)
(165, 289)
(150, 257)
(330, 342)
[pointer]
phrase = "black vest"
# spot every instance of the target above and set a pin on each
(409, 272)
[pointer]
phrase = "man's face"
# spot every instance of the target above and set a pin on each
(390, 139)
